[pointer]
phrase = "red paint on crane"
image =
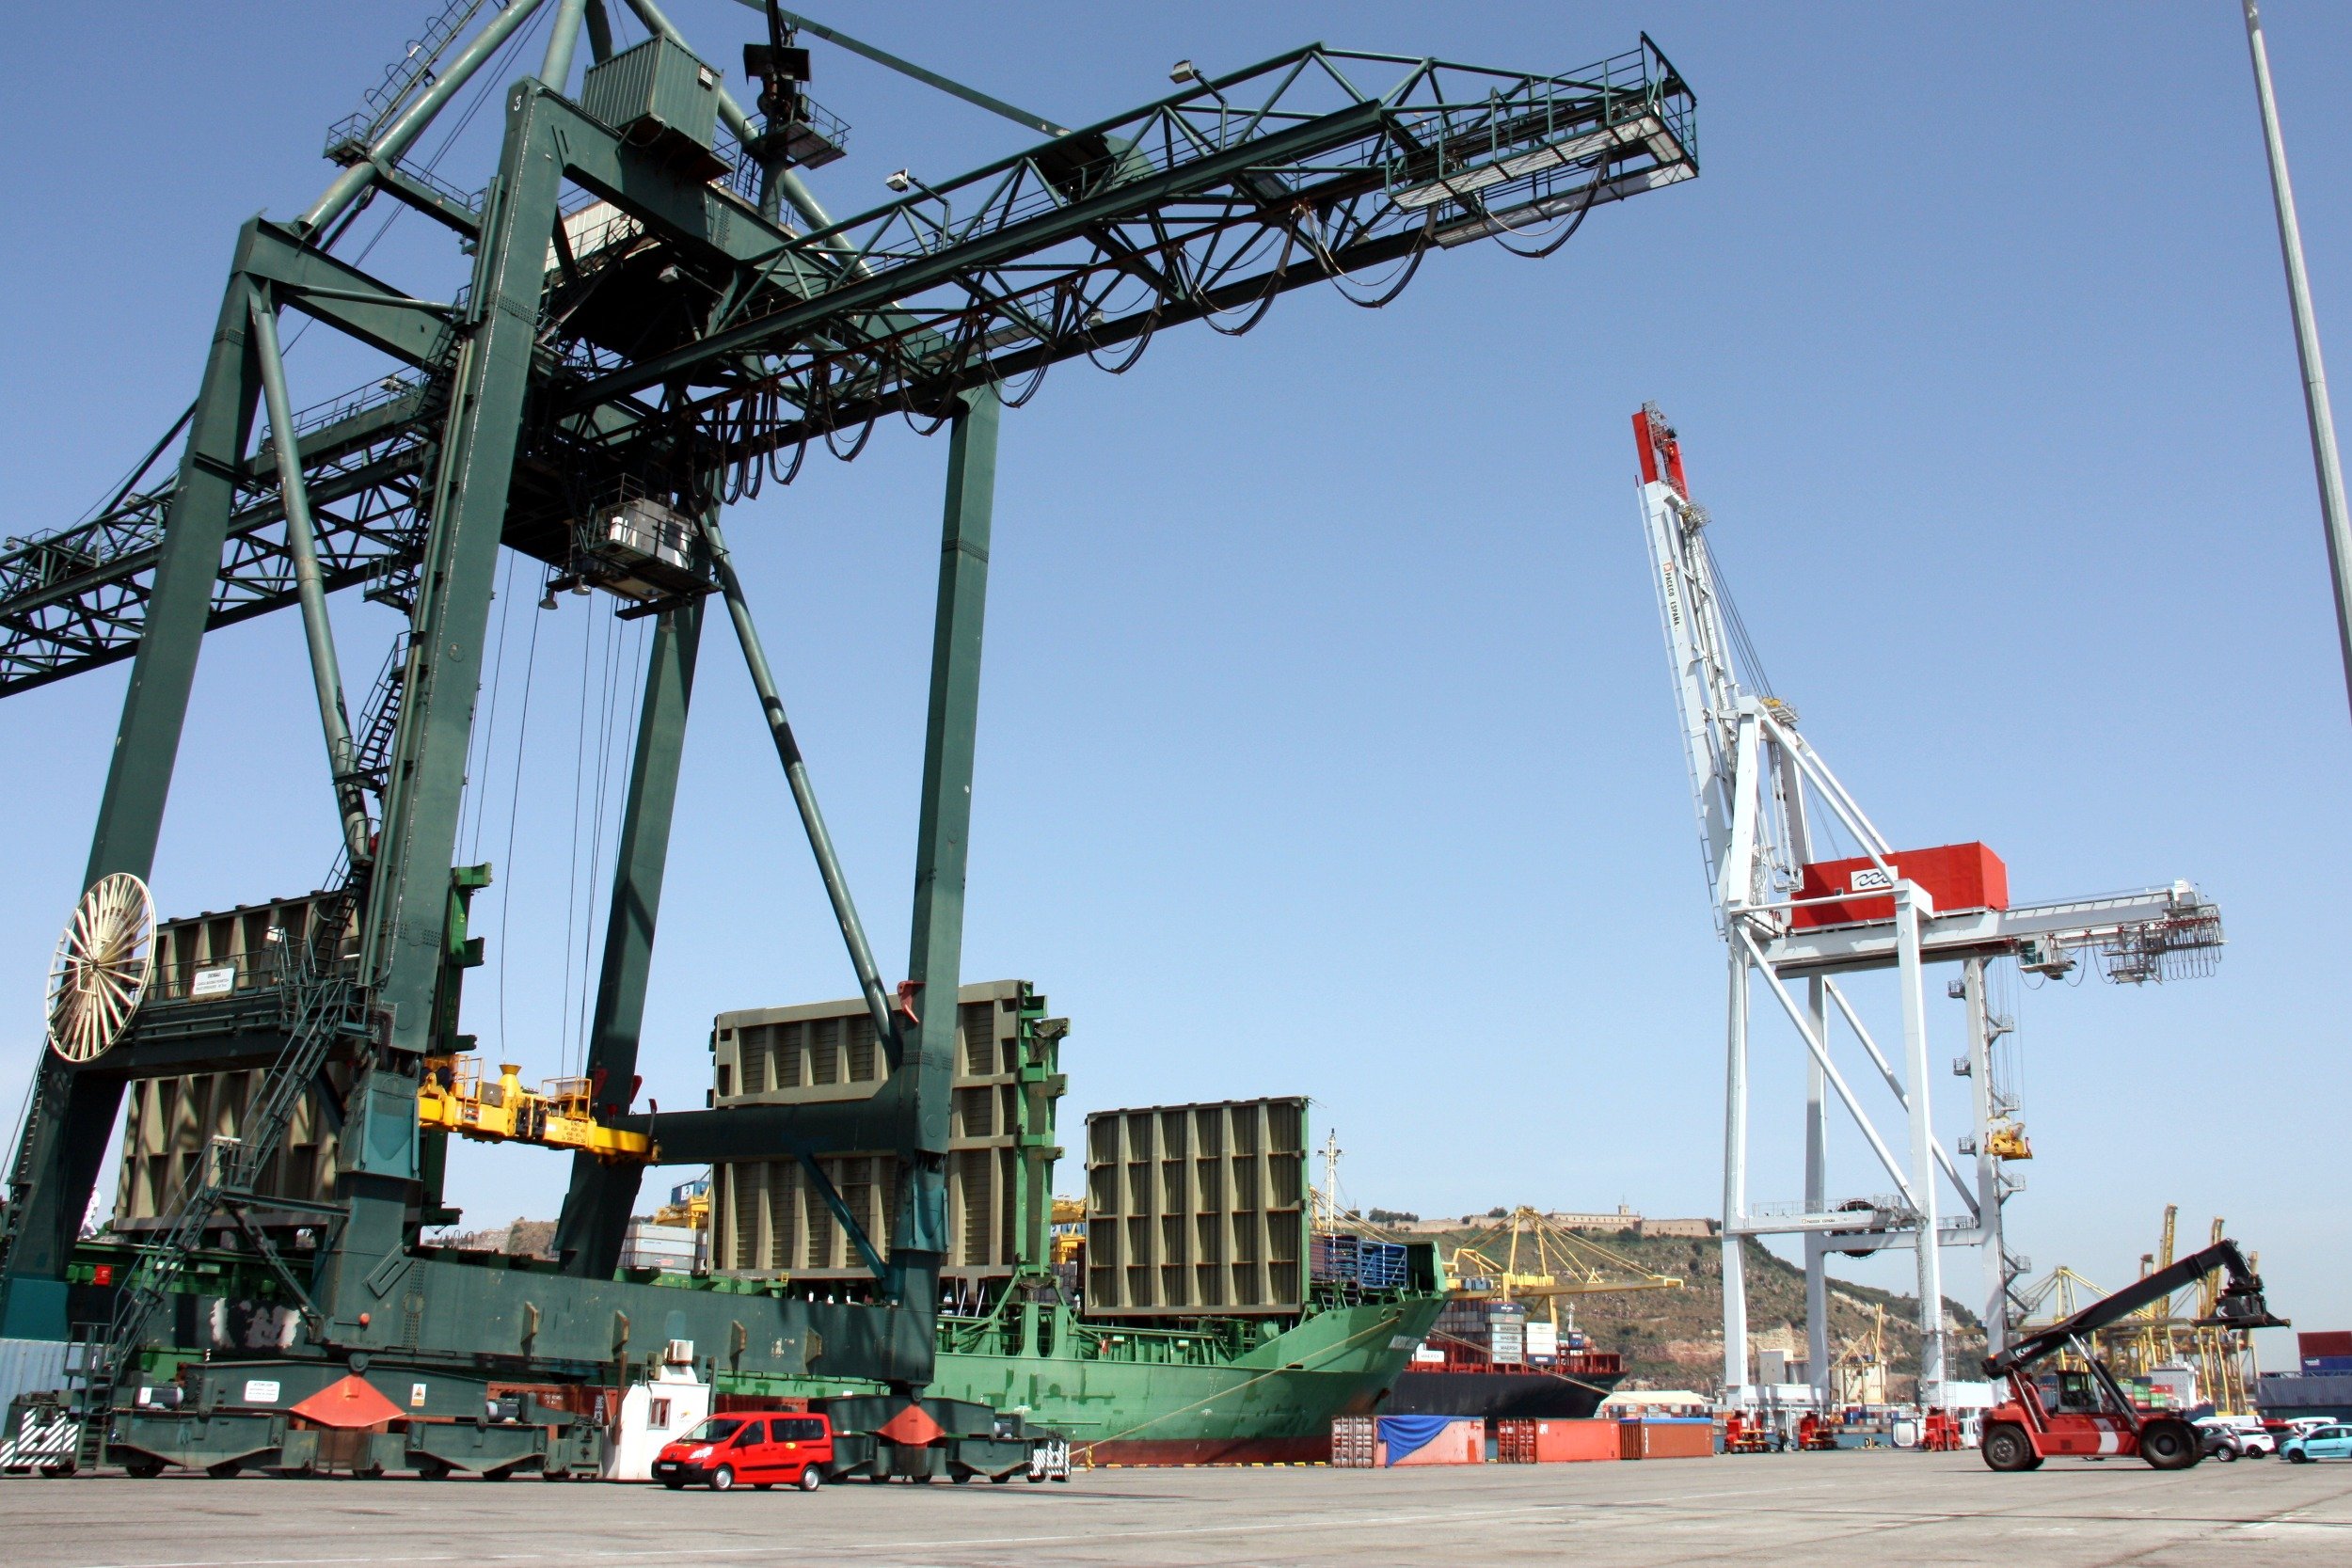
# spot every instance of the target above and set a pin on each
(1661, 453)
(1956, 876)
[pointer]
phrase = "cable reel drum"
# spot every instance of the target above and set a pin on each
(101, 968)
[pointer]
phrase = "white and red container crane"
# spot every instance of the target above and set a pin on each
(1765, 799)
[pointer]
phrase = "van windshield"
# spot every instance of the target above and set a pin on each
(716, 1430)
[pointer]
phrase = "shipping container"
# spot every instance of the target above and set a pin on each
(672, 1248)
(766, 1217)
(1358, 1260)
(1956, 876)
(1515, 1440)
(1194, 1208)
(1665, 1437)
(1543, 1342)
(2327, 1365)
(30, 1367)
(1430, 1440)
(1355, 1442)
(1569, 1442)
(2324, 1341)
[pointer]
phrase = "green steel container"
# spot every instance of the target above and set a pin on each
(654, 91)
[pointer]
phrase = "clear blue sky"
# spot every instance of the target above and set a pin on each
(1327, 744)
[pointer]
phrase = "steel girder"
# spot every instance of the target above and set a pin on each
(1206, 204)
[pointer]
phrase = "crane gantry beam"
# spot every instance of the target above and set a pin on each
(1211, 201)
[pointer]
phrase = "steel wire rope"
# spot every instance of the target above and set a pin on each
(514, 813)
(571, 892)
(614, 692)
(1741, 643)
(574, 1002)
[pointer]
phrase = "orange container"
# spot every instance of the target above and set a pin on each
(1665, 1439)
(1568, 1442)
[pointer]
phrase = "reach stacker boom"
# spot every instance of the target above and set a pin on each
(2083, 1410)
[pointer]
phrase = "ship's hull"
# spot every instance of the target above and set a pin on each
(1503, 1394)
(1273, 1405)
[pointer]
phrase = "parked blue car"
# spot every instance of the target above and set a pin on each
(2328, 1442)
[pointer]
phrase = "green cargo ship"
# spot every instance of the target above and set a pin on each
(1232, 1391)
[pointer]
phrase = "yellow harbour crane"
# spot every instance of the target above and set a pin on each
(1527, 1257)
(1857, 1373)
(2167, 1335)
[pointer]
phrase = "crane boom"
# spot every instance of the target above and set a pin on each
(2240, 1306)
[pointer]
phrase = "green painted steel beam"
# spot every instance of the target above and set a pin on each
(907, 68)
(942, 852)
(408, 902)
(327, 676)
(341, 296)
(73, 1117)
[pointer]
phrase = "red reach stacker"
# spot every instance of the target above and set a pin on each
(2085, 1411)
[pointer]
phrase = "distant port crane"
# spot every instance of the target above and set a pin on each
(1766, 801)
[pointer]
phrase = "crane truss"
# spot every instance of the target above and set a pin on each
(1204, 205)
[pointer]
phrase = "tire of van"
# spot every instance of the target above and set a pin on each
(811, 1479)
(722, 1479)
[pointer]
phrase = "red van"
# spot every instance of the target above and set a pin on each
(754, 1447)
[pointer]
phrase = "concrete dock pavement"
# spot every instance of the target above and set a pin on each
(1921, 1509)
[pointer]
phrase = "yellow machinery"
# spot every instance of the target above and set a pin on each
(1069, 1230)
(694, 1212)
(2005, 1140)
(557, 1114)
(2164, 1335)
(1528, 1258)
(1857, 1373)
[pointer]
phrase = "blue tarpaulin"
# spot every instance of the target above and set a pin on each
(1405, 1434)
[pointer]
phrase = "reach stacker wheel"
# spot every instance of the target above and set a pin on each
(2170, 1445)
(2008, 1448)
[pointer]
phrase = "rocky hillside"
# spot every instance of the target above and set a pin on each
(1674, 1338)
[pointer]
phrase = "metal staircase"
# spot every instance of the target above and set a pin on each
(322, 1000)
(350, 138)
(371, 749)
(321, 1004)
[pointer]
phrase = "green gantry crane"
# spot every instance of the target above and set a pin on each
(660, 319)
